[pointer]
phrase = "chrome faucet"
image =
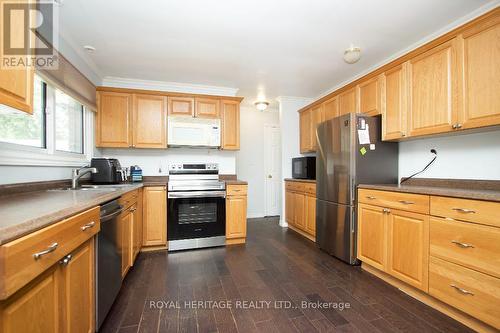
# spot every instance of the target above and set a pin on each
(79, 173)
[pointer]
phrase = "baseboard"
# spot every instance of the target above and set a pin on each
(302, 233)
(154, 248)
(427, 299)
(235, 241)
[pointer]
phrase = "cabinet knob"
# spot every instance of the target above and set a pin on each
(454, 126)
(65, 261)
(459, 125)
(386, 210)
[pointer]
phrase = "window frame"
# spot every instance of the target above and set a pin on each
(22, 155)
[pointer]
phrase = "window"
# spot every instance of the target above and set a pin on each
(24, 129)
(59, 132)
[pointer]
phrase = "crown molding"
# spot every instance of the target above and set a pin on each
(455, 24)
(297, 99)
(119, 82)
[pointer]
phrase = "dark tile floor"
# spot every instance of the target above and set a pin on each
(280, 274)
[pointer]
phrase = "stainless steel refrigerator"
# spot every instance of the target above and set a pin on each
(350, 152)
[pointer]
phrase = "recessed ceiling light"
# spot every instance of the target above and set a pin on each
(352, 54)
(89, 48)
(261, 106)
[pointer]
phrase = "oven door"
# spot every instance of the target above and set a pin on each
(196, 214)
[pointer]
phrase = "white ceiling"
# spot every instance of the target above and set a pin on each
(273, 48)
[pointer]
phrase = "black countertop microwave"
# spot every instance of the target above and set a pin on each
(304, 167)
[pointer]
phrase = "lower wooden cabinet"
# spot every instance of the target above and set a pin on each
(372, 236)
(154, 216)
(236, 214)
(137, 226)
(125, 227)
(61, 299)
(300, 207)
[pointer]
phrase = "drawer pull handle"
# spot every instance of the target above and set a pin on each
(385, 210)
(404, 202)
(65, 261)
(369, 197)
(462, 245)
(465, 211)
(461, 290)
(88, 226)
(51, 248)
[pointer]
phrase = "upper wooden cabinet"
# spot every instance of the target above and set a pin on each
(207, 107)
(433, 90)
(113, 119)
(331, 108)
(395, 110)
(370, 96)
(230, 124)
(149, 121)
(16, 84)
(481, 73)
(181, 106)
(305, 131)
(317, 117)
(348, 102)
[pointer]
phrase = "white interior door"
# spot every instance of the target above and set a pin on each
(272, 169)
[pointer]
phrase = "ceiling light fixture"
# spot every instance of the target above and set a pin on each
(89, 48)
(261, 106)
(352, 54)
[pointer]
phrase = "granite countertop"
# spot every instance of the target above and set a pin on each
(24, 213)
(301, 180)
(456, 192)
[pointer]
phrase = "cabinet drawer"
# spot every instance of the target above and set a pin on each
(472, 292)
(18, 264)
(310, 188)
(296, 186)
(129, 198)
(471, 245)
(405, 201)
(483, 212)
(236, 190)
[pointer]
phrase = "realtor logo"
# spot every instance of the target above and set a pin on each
(29, 34)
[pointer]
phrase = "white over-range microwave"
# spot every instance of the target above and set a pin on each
(194, 132)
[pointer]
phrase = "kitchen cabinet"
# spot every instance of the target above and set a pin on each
(181, 106)
(348, 101)
(317, 117)
(16, 84)
(207, 107)
(124, 234)
(230, 124)
(305, 120)
(434, 97)
(137, 226)
(113, 119)
(300, 207)
(371, 96)
(395, 110)
(154, 216)
(481, 61)
(331, 108)
(236, 214)
(149, 121)
(372, 236)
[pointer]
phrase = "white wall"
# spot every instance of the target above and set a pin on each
(250, 158)
(11, 174)
(289, 123)
(152, 160)
(464, 156)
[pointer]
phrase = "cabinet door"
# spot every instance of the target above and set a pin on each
(305, 131)
(138, 225)
(348, 102)
(370, 96)
(310, 215)
(16, 84)
(317, 117)
(207, 108)
(299, 200)
(181, 106)
(124, 233)
(236, 217)
(230, 125)
(78, 290)
(331, 108)
(433, 90)
(372, 236)
(289, 207)
(155, 216)
(34, 308)
(408, 247)
(113, 119)
(395, 110)
(481, 59)
(149, 121)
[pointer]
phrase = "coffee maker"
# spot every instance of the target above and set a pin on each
(109, 171)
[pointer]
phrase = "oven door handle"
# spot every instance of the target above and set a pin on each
(197, 194)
